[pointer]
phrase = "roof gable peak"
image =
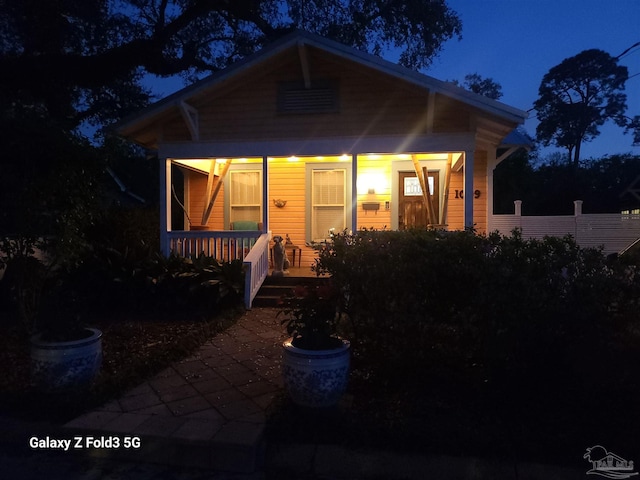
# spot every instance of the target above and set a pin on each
(302, 38)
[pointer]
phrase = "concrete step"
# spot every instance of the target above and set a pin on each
(274, 288)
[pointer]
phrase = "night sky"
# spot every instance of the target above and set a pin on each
(516, 42)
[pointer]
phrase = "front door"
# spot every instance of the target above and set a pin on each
(412, 212)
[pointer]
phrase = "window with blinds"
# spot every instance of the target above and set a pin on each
(328, 201)
(245, 195)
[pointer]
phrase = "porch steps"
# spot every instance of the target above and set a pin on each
(274, 288)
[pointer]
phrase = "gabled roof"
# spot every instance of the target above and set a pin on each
(302, 38)
(517, 138)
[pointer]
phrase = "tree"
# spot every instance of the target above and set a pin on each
(482, 86)
(634, 127)
(605, 185)
(579, 95)
(82, 60)
(513, 179)
(48, 182)
(68, 62)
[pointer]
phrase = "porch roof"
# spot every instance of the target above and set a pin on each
(134, 126)
(517, 138)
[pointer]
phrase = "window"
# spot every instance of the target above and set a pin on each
(328, 202)
(245, 195)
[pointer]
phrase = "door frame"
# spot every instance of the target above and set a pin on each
(398, 166)
(437, 203)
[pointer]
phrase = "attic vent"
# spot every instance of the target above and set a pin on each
(319, 98)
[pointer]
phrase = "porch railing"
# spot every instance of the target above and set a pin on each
(256, 268)
(224, 245)
(252, 247)
(615, 232)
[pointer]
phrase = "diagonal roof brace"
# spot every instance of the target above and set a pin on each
(423, 179)
(304, 64)
(190, 115)
(214, 184)
(506, 153)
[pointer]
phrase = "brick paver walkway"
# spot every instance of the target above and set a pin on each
(207, 410)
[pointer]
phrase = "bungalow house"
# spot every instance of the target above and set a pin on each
(309, 136)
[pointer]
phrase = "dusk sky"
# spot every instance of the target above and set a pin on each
(516, 42)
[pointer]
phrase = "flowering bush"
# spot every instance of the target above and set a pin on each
(312, 316)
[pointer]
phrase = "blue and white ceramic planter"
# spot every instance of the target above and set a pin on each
(316, 378)
(60, 365)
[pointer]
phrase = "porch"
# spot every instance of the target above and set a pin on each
(252, 248)
(305, 198)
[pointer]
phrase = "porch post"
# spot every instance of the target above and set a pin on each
(468, 189)
(491, 165)
(165, 204)
(354, 192)
(265, 194)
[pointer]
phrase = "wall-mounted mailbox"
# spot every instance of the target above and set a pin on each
(371, 206)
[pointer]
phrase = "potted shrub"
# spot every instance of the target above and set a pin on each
(64, 353)
(316, 360)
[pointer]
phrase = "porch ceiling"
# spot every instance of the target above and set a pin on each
(203, 165)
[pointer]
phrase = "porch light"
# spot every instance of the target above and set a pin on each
(344, 157)
(371, 183)
(293, 158)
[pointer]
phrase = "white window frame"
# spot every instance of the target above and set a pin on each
(312, 169)
(228, 193)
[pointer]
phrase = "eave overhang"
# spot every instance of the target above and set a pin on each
(139, 127)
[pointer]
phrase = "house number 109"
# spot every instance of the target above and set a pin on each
(460, 194)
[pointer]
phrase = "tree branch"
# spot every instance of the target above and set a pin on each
(87, 71)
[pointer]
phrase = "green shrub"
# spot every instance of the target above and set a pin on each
(518, 309)
(145, 281)
(406, 292)
(122, 268)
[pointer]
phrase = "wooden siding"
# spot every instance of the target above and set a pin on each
(370, 103)
(196, 185)
(450, 116)
(456, 205)
(373, 169)
(287, 182)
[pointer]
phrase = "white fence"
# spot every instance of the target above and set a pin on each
(613, 231)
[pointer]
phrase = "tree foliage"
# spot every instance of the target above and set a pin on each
(83, 60)
(606, 185)
(634, 127)
(578, 96)
(69, 63)
(482, 86)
